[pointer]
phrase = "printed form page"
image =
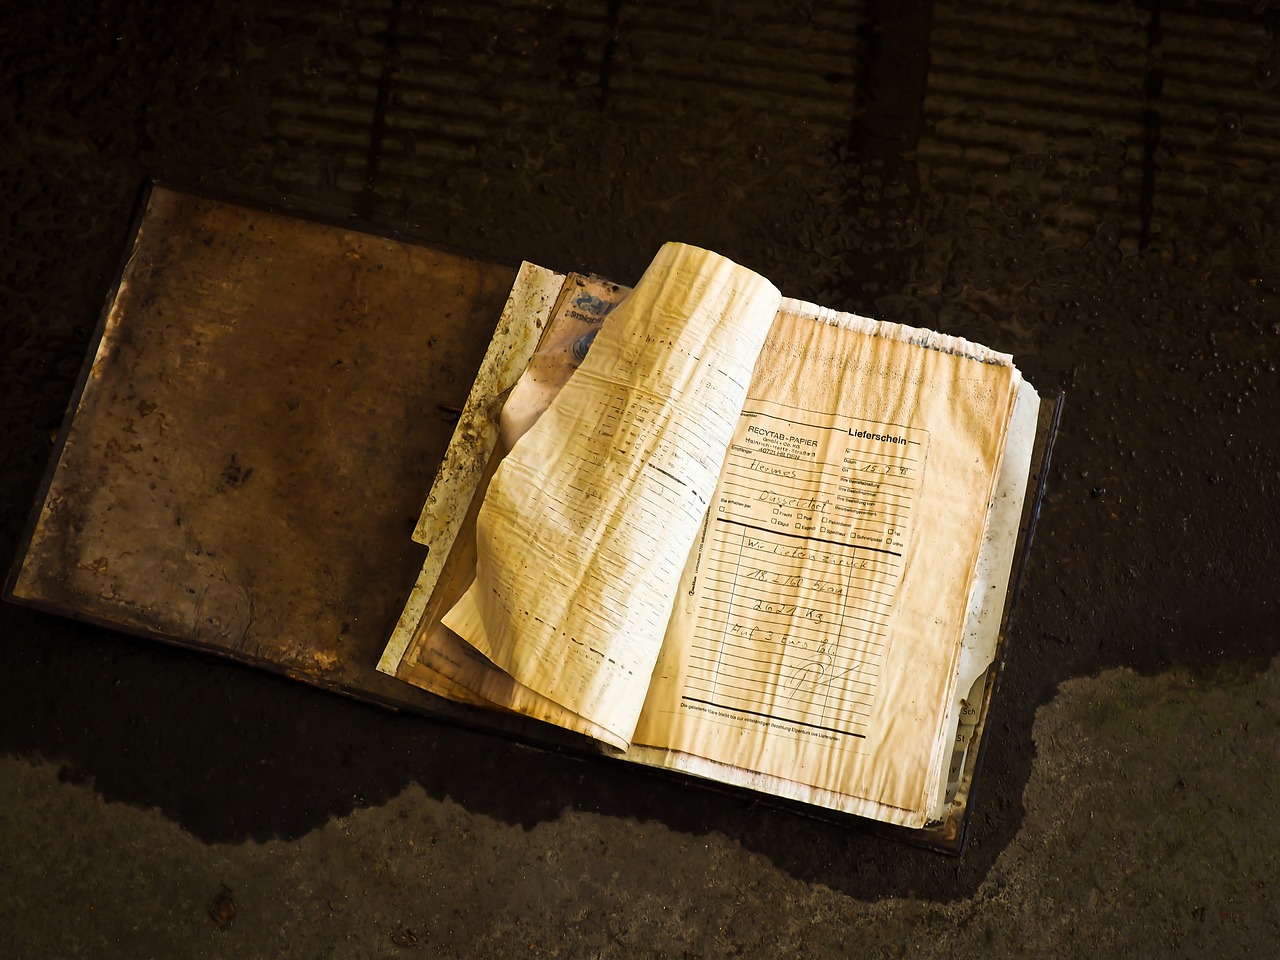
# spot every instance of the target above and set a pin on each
(821, 609)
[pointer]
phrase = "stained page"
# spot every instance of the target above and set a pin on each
(819, 619)
(527, 310)
(989, 592)
(430, 655)
(588, 521)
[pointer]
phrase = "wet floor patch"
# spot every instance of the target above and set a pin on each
(1146, 832)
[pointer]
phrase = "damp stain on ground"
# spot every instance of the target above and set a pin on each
(1137, 839)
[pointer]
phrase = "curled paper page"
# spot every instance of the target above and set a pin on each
(587, 523)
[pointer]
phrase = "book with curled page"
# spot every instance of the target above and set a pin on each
(710, 530)
(738, 536)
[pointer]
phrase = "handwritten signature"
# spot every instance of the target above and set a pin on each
(812, 676)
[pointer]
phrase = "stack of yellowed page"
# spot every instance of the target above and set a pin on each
(728, 533)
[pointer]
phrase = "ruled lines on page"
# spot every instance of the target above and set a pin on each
(803, 555)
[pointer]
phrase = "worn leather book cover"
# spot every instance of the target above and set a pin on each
(265, 403)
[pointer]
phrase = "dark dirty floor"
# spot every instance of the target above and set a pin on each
(1094, 187)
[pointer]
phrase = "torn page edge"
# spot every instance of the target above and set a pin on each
(917, 336)
(525, 315)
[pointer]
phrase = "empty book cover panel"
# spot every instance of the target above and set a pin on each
(264, 405)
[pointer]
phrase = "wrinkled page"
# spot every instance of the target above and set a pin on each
(818, 622)
(587, 523)
(435, 658)
(989, 591)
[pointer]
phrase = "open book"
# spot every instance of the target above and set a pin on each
(728, 533)
(725, 534)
